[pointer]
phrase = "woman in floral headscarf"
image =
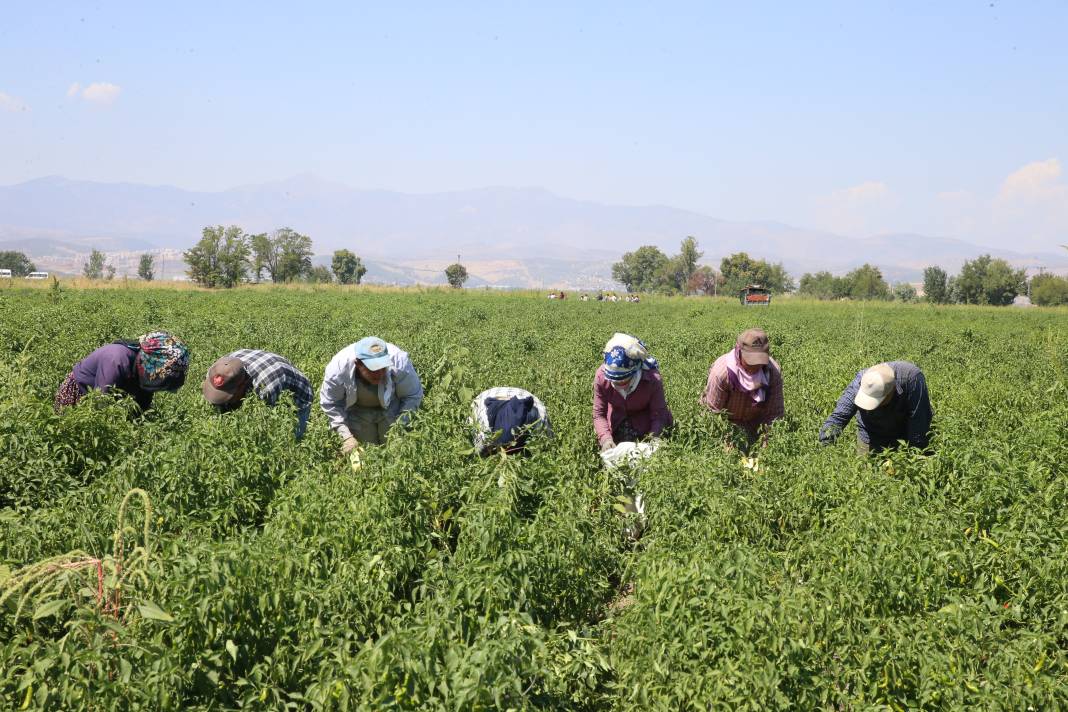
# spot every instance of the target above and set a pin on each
(155, 362)
(628, 395)
(745, 384)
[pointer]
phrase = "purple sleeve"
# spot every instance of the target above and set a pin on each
(659, 413)
(600, 410)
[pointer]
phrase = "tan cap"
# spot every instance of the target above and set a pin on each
(224, 382)
(755, 347)
(875, 384)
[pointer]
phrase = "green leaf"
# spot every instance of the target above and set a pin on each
(154, 613)
(50, 608)
(231, 647)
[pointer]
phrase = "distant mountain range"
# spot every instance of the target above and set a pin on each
(507, 237)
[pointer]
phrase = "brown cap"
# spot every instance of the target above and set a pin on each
(225, 381)
(755, 347)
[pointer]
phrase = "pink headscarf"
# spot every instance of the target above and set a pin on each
(753, 384)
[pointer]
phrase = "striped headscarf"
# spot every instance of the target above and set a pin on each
(162, 360)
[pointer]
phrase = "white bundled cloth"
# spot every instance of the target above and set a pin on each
(624, 460)
(628, 454)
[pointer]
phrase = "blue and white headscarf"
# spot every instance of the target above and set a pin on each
(625, 356)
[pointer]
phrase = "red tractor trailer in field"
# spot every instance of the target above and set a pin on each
(755, 296)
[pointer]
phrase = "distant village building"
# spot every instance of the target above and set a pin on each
(1022, 300)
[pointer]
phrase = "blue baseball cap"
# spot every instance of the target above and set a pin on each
(372, 352)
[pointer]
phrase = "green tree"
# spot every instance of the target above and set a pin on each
(286, 255)
(221, 258)
(1049, 290)
(936, 285)
(641, 270)
(93, 268)
(263, 254)
(687, 259)
(294, 255)
(319, 275)
(456, 273)
(740, 270)
(904, 292)
(146, 267)
(989, 281)
(821, 285)
(704, 280)
(866, 282)
(348, 268)
(17, 262)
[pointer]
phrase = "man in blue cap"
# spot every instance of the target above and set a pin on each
(367, 387)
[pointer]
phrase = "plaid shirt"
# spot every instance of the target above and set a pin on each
(480, 416)
(271, 374)
(721, 397)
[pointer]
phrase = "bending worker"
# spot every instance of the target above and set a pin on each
(891, 403)
(504, 417)
(745, 384)
(628, 394)
(368, 386)
(154, 362)
(269, 374)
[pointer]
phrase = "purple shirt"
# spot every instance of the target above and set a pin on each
(112, 366)
(645, 408)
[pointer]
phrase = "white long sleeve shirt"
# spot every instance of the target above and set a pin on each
(400, 392)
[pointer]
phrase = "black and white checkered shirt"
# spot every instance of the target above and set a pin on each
(271, 374)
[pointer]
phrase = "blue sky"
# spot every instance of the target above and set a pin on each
(944, 118)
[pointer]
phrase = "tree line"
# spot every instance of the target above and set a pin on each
(226, 256)
(648, 269)
(984, 280)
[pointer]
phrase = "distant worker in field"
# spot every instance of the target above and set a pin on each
(745, 384)
(504, 418)
(367, 387)
(891, 403)
(268, 374)
(154, 362)
(628, 394)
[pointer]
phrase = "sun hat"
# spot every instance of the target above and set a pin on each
(876, 382)
(755, 347)
(224, 381)
(372, 352)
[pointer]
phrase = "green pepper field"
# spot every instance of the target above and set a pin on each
(246, 571)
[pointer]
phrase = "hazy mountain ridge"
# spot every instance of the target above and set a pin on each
(516, 237)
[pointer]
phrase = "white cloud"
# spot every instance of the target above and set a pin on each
(1031, 208)
(858, 209)
(1036, 182)
(97, 93)
(12, 103)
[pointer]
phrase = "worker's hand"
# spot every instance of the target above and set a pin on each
(607, 444)
(356, 458)
(348, 445)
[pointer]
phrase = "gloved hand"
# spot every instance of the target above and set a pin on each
(356, 459)
(348, 444)
(607, 444)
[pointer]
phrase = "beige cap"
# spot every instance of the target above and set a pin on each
(755, 347)
(875, 384)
